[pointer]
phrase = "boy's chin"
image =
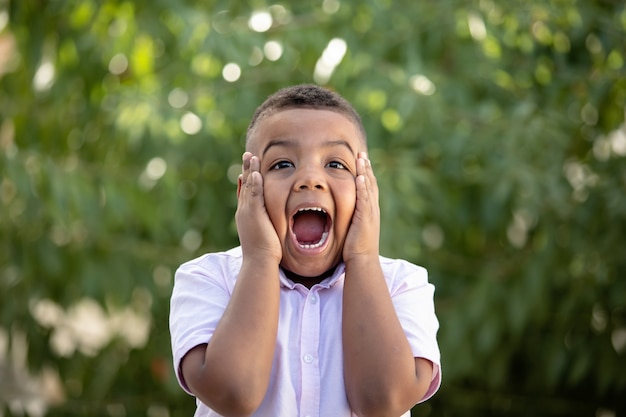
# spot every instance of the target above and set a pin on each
(310, 268)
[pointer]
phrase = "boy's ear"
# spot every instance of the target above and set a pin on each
(239, 184)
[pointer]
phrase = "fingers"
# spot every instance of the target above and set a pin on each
(250, 177)
(366, 184)
(364, 233)
(245, 167)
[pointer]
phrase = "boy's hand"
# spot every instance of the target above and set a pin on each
(364, 233)
(256, 232)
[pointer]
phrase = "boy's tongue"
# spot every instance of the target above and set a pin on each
(309, 227)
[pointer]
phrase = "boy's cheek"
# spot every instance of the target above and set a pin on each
(276, 223)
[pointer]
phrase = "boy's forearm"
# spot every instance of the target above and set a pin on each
(235, 369)
(379, 367)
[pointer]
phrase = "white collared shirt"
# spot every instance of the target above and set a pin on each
(307, 372)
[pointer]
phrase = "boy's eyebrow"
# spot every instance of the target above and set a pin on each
(293, 144)
(277, 142)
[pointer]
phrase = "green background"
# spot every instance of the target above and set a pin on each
(497, 135)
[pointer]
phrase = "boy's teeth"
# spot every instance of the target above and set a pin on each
(312, 209)
(315, 245)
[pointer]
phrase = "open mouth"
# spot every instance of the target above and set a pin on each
(310, 226)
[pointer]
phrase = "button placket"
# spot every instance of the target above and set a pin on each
(309, 347)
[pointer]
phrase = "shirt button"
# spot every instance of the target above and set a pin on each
(308, 358)
(313, 299)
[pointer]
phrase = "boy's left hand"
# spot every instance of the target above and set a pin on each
(364, 233)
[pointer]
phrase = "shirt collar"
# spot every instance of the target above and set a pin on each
(326, 282)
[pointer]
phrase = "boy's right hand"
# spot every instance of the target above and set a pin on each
(257, 235)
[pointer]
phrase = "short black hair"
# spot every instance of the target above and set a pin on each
(305, 96)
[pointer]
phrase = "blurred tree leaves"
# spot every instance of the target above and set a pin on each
(496, 131)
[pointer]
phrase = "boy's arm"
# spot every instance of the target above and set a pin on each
(382, 377)
(231, 374)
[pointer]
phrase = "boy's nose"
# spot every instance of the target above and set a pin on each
(310, 179)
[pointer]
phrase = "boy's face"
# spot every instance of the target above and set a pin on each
(308, 163)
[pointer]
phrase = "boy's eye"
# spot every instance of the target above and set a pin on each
(282, 164)
(336, 164)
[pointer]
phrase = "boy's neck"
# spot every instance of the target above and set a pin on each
(308, 281)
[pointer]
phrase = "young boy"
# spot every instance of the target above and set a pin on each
(305, 318)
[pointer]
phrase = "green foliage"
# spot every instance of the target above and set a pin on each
(496, 131)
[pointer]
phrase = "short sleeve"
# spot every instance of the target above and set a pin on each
(200, 296)
(413, 298)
